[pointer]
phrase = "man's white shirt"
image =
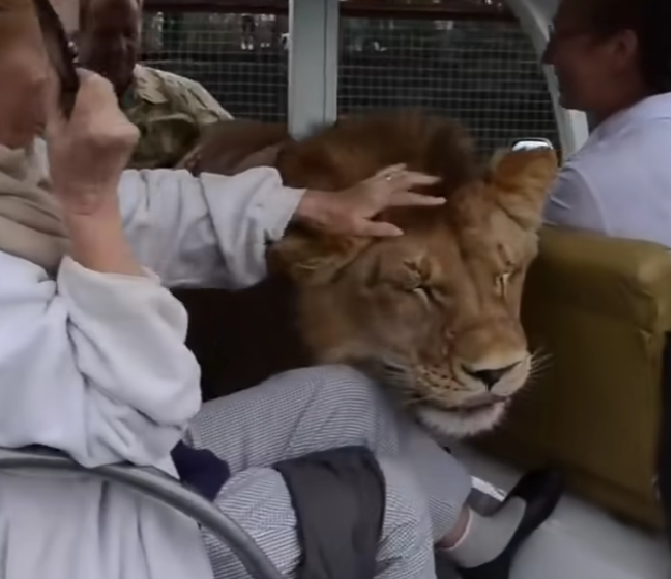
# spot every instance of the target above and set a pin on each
(619, 183)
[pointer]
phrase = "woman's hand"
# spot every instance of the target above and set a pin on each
(352, 212)
(89, 151)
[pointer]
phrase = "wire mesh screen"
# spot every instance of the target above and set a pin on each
(484, 73)
(240, 58)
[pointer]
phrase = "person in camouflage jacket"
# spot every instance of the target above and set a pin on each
(171, 111)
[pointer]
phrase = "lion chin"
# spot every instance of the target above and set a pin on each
(460, 423)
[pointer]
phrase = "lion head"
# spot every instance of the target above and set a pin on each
(434, 315)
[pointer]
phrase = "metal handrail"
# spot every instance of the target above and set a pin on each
(154, 483)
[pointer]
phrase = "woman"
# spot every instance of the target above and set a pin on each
(613, 61)
(92, 360)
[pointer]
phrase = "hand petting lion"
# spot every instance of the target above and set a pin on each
(433, 314)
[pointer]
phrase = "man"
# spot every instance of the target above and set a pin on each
(613, 60)
(171, 111)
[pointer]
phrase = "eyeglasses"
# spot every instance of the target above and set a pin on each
(556, 36)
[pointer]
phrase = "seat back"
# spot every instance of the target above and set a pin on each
(240, 338)
(599, 310)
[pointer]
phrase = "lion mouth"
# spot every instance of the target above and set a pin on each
(479, 403)
(467, 409)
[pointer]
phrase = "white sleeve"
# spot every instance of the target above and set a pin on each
(207, 231)
(572, 203)
(93, 364)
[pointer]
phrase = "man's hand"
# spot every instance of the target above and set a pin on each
(352, 212)
(89, 151)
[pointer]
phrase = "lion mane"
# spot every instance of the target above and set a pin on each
(433, 315)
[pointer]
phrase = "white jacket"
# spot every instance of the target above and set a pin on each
(94, 364)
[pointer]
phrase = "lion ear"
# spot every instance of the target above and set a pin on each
(312, 259)
(521, 181)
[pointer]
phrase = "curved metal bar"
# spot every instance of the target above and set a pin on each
(154, 483)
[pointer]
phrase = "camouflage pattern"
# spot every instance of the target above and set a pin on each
(171, 112)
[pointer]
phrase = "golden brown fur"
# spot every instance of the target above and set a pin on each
(434, 314)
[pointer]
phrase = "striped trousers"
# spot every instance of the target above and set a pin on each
(313, 409)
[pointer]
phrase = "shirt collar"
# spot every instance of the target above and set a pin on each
(650, 108)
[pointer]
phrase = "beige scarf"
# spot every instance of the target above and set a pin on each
(30, 223)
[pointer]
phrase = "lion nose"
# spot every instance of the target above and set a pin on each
(489, 376)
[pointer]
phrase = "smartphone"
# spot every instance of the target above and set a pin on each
(61, 53)
(530, 144)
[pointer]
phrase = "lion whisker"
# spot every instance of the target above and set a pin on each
(541, 354)
(540, 362)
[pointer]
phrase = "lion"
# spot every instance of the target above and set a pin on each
(433, 315)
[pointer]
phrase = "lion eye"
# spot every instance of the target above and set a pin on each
(502, 283)
(423, 293)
